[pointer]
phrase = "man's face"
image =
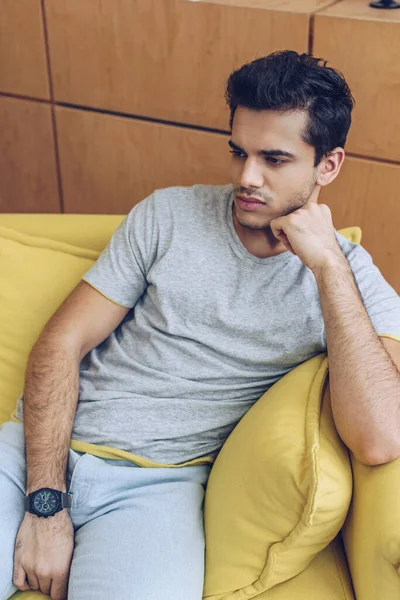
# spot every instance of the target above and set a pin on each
(270, 162)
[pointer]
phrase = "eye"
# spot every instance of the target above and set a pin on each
(274, 161)
(237, 153)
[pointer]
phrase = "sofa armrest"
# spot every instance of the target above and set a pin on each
(371, 532)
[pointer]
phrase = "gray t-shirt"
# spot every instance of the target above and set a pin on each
(212, 327)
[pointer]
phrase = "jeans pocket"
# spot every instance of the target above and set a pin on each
(77, 484)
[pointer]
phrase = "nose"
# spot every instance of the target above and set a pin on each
(251, 175)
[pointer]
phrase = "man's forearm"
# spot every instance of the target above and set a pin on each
(364, 380)
(50, 399)
(365, 383)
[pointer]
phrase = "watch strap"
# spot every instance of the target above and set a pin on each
(65, 500)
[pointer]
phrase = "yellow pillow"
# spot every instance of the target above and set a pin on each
(280, 488)
(36, 275)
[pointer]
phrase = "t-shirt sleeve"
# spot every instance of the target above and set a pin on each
(381, 301)
(120, 271)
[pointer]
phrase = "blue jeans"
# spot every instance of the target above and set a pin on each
(139, 531)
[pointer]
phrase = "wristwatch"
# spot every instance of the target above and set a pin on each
(46, 502)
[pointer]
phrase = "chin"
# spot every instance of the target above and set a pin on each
(252, 222)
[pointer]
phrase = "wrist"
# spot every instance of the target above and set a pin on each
(38, 485)
(331, 263)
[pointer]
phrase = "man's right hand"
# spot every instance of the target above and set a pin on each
(43, 554)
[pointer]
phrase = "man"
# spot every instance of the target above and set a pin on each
(204, 298)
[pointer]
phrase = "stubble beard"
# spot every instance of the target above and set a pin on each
(296, 201)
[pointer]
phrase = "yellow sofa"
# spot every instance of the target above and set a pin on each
(363, 561)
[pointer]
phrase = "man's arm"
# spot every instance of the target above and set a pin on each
(364, 379)
(52, 381)
(50, 398)
(44, 546)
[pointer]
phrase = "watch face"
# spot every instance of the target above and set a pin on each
(45, 502)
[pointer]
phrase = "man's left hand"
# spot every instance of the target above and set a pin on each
(309, 233)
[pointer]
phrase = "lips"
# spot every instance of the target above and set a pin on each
(249, 204)
(250, 199)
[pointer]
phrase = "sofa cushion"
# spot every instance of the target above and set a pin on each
(327, 577)
(372, 531)
(279, 490)
(36, 275)
(87, 231)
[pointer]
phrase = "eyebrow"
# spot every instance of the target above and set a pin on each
(274, 153)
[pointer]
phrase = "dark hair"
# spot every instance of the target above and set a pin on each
(285, 81)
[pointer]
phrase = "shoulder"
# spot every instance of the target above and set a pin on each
(165, 199)
(356, 254)
(368, 276)
(186, 206)
(190, 196)
(168, 210)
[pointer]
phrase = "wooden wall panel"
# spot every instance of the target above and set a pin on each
(23, 67)
(366, 194)
(299, 6)
(164, 59)
(28, 177)
(110, 163)
(371, 64)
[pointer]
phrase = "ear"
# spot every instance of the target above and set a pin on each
(329, 167)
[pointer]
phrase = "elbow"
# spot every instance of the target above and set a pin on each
(374, 460)
(50, 347)
(378, 456)
(54, 338)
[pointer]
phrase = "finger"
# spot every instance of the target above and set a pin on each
(289, 247)
(19, 578)
(282, 237)
(276, 226)
(32, 580)
(277, 229)
(45, 585)
(59, 589)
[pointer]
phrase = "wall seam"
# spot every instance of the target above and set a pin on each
(52, 109)
(23, 97)
(311, 34)
(116, 113)
(386, 161)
